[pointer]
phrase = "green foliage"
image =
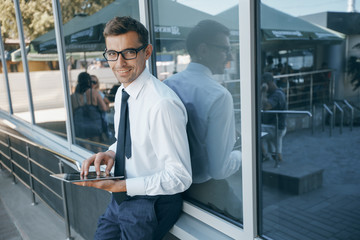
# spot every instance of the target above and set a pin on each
(354, 71)
(37, 15)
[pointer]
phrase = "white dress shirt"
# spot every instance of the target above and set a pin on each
(160, 159)
(211, 125)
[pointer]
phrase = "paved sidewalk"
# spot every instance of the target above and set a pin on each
(21, 220)
(331, 212)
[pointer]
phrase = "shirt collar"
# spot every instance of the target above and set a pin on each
(199, 68)
(135, 87)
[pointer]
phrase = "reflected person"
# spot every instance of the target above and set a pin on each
(87, 106)
(211, 125)
(272, 98)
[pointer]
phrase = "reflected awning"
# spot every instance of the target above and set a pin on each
(279, 29)
(34, 56)
(85, 33)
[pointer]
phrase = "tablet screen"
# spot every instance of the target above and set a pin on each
(76, 177)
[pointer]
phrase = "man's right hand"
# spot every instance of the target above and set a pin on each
(101, 158)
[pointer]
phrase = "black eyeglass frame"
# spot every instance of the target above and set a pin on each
(121, 52)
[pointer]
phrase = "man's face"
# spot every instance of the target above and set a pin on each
(126, 71)
(218, 53)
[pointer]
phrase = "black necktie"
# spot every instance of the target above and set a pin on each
(123, 147)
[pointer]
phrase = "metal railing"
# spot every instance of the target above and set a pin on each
(334, 113)
(307, 87)
(331, 119)
(277, 112)
(17, 170)
(348, 105)
(335, 108)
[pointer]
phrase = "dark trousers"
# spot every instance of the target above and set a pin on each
(139, 217)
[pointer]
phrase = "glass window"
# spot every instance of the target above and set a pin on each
(16, 75)
(83, 29)
(4, 102)
(45, 77)
(197, 55)
(308, 183)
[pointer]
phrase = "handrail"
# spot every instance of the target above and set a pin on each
(302, 73)
(337, 106)
(327, 109)
(310, 100)
(352, 113)
(62, 159)
(277, 112)
(68, 160)
(287, 112)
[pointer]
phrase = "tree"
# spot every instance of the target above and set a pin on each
(37, 15)
(69, 8)
(354, 71)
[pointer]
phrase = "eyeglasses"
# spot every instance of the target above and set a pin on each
(127, 54)
(226, 49)
(94, 82)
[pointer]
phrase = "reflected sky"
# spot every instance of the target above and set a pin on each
(292, 7)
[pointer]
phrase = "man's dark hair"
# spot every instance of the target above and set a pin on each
(83, 82)
(203, 32)
(121, 25)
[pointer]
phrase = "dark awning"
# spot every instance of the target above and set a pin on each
(85, 33)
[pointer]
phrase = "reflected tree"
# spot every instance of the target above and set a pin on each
(353, 70)
(38, 16)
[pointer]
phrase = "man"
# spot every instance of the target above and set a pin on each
(211, 126)
(158, 168)
(272, 98)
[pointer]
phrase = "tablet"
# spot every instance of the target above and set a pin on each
(76, 177)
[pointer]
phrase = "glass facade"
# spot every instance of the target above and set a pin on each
(198, 57)
(84, 50)
(273, 117)
(46, 83)
(4, 101)
(307, 187)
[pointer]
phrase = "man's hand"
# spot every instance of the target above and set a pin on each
(101, 158)
(264, 88)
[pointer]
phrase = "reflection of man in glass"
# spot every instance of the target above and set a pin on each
(211, 125)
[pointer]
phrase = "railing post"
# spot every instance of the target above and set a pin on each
(11, 161)
(331, 114)
(351, 114)
(313, 119)
(276, 139)
(336, 105)
(65, 206)
(323, 119)
(334, 116)
(287, 90)
(311, 90)
(31, 182)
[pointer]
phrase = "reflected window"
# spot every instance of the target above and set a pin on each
(4, 102)
(85, 45)
(198, 58)
(305, 123)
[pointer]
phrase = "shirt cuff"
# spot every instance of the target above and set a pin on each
(112, 147)
(135, 186)
(235, 156)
